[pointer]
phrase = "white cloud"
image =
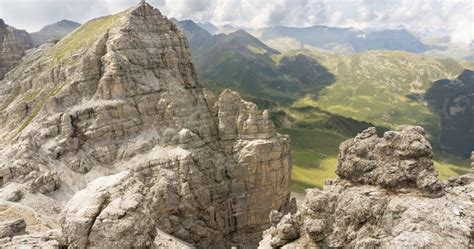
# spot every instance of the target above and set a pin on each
(455, 16)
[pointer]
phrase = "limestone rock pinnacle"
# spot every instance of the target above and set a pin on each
(386, 196)
(399, 159)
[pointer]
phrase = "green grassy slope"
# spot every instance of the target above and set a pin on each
(314, 156)
(85, 36)
(382, 87)
(321, 99)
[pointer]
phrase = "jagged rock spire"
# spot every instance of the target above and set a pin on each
(380, 189)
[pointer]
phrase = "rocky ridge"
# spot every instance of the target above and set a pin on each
(13, 44)
(109, 141)
(386, 195)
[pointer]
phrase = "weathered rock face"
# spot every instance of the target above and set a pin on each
(398, 159)
(13, 44)
(386, 196)
(12, 228)
(472, 162)
(109, 131)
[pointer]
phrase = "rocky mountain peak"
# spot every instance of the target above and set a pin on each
(65, 22)
(110, 131)
(145, 9)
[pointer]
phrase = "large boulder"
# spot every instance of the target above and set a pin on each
(12, 228)
(386, 195)
(399, 159)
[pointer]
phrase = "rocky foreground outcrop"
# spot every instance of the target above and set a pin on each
(386, 195)
(13, 44)
(109, 142)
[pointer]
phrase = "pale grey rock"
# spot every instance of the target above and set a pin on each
(240, 119)
(399, 159)
(115, 133)
(46, 183)
(12, 228)
(285, 231)
(164, 240)
(13, 45)
(210, 97)
(13, 195)
(112, 211)
(275, 217)
(367, 207)
(32, 241)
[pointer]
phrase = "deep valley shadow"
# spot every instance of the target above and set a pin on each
(453, 101)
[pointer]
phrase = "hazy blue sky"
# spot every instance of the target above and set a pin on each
(456, 16)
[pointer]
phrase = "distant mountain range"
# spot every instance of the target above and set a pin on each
(355, 40)
(341, 40)
(240, 61)
(14, 43)
(350, 40)
(312, 88)
(209, 27)
(54, 31)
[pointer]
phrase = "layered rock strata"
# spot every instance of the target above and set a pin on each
(13, 44)
(386, 195)
(109, 132)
